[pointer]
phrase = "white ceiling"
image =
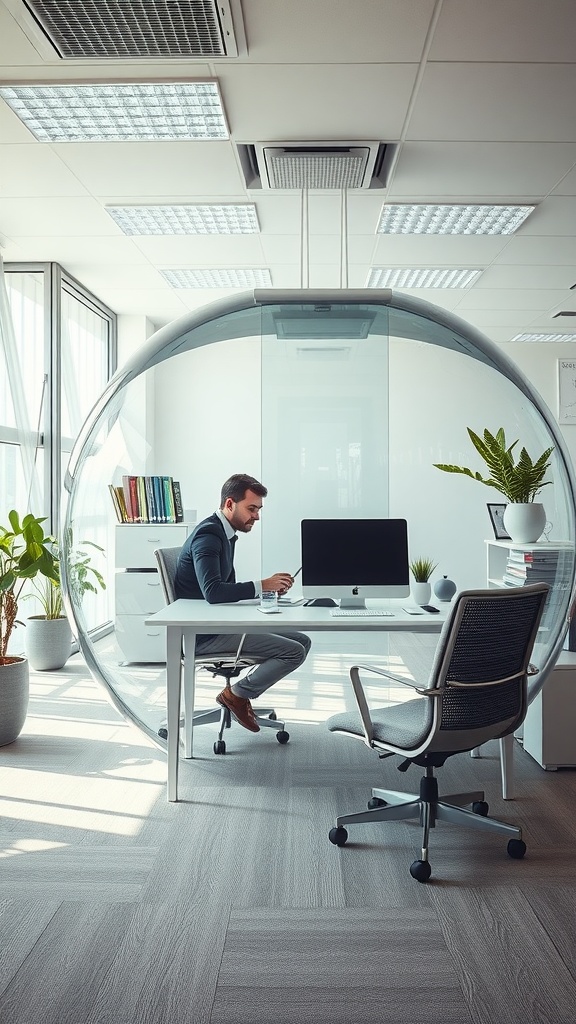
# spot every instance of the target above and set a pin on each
(479, 95)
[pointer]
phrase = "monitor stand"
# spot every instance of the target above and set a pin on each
(352, 602)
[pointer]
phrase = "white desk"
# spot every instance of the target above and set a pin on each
(184, 619)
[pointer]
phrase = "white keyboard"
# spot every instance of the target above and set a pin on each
(354, 613)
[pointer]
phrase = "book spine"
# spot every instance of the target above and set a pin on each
(150, 499)
(114, 497)
(134, 503)
(130, 510)
(169, 499)
(122, 504)
(159, 499)
(178, 501)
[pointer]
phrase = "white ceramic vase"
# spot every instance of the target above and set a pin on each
(421, 593)
(524, 522)
(48, 642)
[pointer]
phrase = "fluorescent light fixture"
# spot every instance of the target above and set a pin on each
(205, 219)
(544, 337)
(219, 277)
(444, 219)
(422, 277)
(119, 111)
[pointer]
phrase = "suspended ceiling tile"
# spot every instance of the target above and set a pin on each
(556, 215)
(514, 298)
(518, 30)
(74, 216)
(318, 102)
(282, 249)
(66, 249)
(200, 250)
(479, 171)
(15, 48)
(566, 187)
(394, 31)
(151, 169)
(498, 318)
(512, 277)
(520, 103)
(449, 250)
(166, 303)
(34, 171)
(527, 249)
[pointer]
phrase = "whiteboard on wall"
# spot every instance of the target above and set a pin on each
(567, 390)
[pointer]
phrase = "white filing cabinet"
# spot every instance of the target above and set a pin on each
(550, 725)
(137, 587)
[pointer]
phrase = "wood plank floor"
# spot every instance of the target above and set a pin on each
(232, 906)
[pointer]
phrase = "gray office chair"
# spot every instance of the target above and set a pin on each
(218, 665)
(477, 690)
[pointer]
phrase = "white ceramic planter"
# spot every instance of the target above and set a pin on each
(421, 593)
(48, 642)
(524, 522)
(14, 691)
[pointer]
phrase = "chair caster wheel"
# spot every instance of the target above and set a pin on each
(272, 716)
(516, 848)
(219, 747)
(420, 870)
(338, 836)
(163, 733)
(283, 736)
(480, 807)
(375, 802)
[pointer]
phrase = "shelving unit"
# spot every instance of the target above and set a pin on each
(137, 588)
(549, 730)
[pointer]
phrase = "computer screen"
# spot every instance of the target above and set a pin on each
(352, 559)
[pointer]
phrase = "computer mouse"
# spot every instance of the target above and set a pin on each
(321, 602)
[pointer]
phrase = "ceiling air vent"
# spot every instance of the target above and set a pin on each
(137, 28)
(316, 165)
(565, 312)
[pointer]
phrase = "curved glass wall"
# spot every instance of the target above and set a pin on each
(341, 402)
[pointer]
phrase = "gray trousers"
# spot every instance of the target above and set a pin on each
(279, 654)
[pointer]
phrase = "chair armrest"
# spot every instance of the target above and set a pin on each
(388, 675)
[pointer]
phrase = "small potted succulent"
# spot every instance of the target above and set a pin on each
(422, 569)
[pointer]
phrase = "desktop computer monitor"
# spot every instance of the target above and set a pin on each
(352, 559)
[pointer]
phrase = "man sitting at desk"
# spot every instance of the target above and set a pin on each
(206, 569)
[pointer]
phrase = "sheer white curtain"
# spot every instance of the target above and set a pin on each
(18, 422)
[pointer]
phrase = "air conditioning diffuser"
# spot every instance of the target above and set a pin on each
(315, 165)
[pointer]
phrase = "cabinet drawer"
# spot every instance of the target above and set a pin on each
(139, 642)
(138, 593)
(135, 544)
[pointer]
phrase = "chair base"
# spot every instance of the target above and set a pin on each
(428, 808)
(266, 719)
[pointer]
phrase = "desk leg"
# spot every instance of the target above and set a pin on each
(173, 683)
(189, 687)
(507, 766)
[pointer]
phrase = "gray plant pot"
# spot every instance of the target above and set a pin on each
(14, 692)
(47, 642)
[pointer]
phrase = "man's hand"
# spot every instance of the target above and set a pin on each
(280, 582)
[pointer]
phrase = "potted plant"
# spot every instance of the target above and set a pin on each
(25, 553)
(48, 636)
(520, 481)
(422, 569)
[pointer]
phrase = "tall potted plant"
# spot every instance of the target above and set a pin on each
(25, 553)
(520, 481)
(48, 636)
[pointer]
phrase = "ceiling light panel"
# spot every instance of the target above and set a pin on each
(204, 219)
(422, 277)
(219, 277)
(137, 28)
(119, 112)
(401, 219)
(544, 337)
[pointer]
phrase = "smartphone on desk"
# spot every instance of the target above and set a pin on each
(429, 608)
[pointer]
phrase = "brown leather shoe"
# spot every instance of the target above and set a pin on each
(240, 707)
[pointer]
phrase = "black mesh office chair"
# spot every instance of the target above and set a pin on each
(477, 690)
(218, 665)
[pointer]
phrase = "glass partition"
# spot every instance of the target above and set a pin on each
(342, 402)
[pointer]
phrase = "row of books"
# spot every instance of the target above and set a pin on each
(523, 567)
(147, 499)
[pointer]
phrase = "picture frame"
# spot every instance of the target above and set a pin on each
(567, 391)
(496, 513)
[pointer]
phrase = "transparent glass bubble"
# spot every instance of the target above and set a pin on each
(410, 378)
